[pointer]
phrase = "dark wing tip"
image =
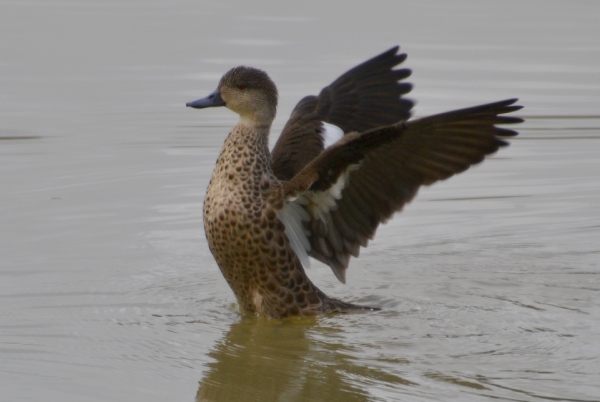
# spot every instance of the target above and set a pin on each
(503, 132)
(508, 120)
(507, 106)
(507, 102)
(401, 73)
(390, 51)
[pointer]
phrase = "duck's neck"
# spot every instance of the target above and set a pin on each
(258, 117)
(248, 139)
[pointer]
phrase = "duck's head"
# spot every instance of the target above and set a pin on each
(247, 91)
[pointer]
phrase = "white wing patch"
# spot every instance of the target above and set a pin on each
(310, 205)
(313, 205)
(292, 216)
(321, 202)
(330, 134)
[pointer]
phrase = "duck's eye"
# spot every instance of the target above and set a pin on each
(241, 86)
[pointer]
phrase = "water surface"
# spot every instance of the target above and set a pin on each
(488, 283)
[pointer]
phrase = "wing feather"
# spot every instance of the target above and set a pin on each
(394, 162)
(365, 97)
(396, 157)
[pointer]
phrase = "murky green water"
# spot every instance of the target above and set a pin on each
(488, 283)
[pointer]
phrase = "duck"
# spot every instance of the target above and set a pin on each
(346, 161)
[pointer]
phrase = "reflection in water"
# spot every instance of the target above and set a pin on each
(265, 360)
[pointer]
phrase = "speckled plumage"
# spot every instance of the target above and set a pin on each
(323, 191)
(246, 237)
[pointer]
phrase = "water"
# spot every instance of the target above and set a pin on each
(488, 283)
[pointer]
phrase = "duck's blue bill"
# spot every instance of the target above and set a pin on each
(212, 100)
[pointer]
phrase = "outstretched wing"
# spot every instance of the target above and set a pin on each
(365, 97)
(360, 181)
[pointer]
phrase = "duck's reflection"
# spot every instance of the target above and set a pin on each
(268, 360)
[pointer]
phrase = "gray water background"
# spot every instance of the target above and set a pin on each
(489, 282)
